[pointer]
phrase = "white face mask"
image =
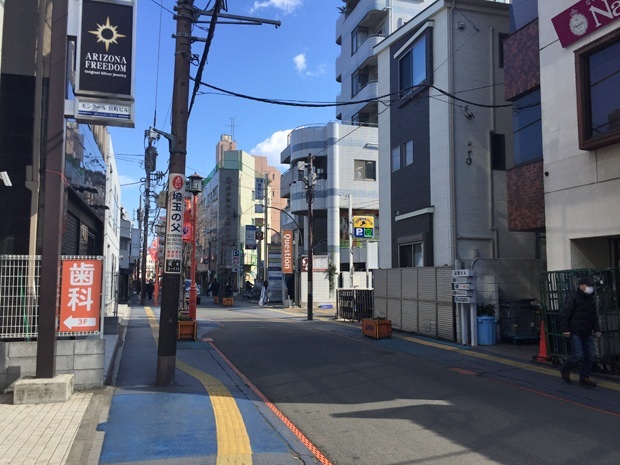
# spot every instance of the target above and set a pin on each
(589, 290)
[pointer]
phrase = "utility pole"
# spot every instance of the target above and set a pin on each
(149, 166)
(351, 270)
(54, 180)
(266, 235)
(309, 182)
(167, 344)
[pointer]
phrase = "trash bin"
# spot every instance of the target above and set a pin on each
(486, 331)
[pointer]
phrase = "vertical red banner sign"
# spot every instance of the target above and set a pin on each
(287, 251)
(80, 295)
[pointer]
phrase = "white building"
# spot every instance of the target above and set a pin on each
(346, 160)
(579, 83)
(362, 26)
(112, 232)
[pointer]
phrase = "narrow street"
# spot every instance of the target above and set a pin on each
(407, 400)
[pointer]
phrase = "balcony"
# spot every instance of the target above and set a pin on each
(369, 91)
(365, 56)
(287, 179)
(367, 13)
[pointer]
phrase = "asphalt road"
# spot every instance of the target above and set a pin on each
(398, 401)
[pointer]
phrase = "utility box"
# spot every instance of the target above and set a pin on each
(519, 320)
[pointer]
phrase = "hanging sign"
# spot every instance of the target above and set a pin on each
(173, 252)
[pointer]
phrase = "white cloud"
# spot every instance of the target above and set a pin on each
(287, 6)
(301, 65)
(272, 147)
(300, 62)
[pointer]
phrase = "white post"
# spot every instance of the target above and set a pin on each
(351, 241)
(474, 325)
(464, 337)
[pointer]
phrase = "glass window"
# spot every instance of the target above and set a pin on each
(413, 66)
(358, 37)
(365, 169)
(358, 82)
(409, 153)
(396, 158)
(527, 128)
(410, 255)
(598, 89)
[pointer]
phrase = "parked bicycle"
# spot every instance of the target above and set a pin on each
(251, 294)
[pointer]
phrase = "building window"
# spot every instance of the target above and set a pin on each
(358, 81)
(358, 37)
(365, 169)
(409, 153)
(527, 128)
(598, 93)
(396, 158)
(410, 255)
(414, 66)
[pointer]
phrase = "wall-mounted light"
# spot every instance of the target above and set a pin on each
(5, 178)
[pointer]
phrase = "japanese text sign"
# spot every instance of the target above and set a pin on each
(174, 223)
(80, 299)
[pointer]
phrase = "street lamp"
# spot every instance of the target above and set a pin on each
(195, 187)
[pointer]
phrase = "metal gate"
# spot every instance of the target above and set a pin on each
(556, 286)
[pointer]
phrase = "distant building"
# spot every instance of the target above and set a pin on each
(345, 158)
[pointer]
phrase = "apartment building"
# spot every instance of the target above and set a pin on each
(443, 139)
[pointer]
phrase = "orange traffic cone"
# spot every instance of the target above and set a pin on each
(543, 356)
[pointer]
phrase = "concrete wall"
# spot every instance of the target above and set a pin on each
(84, 358)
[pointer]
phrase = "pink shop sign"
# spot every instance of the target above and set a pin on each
(583, 18)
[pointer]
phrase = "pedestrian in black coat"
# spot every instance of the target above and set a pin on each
(580, 323)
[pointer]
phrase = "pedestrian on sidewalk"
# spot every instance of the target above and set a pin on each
(580, 323)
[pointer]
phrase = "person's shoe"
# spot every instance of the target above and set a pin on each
(587, 382)
(565, 376)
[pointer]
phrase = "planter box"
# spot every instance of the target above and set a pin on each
(377, 329)
(186, 330)
(227, 301)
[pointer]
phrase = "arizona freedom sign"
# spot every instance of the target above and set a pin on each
(583, 18)
(105, 62)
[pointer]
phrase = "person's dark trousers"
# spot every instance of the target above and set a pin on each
(581, 349)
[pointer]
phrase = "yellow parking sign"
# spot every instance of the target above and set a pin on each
(364, 222)
(363, 227)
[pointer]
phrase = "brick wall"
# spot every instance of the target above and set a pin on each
(526, 197)
(521, 61)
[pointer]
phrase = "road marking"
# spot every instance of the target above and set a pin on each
(233, 442)
(290, 425)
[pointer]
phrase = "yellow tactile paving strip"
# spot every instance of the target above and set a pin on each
(40, 433)
(233, 442)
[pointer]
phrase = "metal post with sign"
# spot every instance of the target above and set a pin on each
(464, 293)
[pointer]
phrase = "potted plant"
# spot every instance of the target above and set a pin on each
(378, 327)
(186, 327)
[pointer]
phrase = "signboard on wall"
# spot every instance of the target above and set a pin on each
(287, 251)
(104, 84)
(250, 237)
(80, 298)
(583, 18)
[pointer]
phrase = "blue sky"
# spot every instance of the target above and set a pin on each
(295, 61)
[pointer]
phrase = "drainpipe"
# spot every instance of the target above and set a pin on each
(492, 130)
(453, 216)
